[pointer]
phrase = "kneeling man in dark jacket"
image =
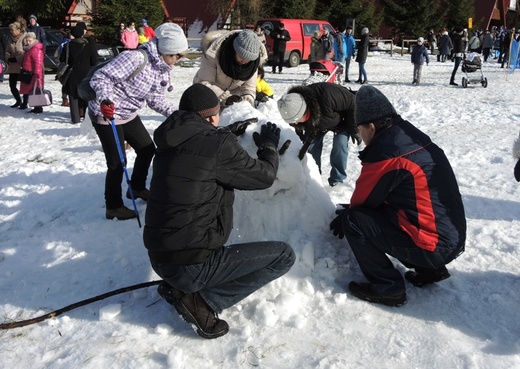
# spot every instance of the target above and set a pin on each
(406, 204)
(189, 216)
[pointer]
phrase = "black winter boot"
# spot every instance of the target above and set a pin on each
(365, 292)
(193, 309)
(422, 276)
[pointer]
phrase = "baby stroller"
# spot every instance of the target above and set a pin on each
(471, 64)
(325, 71)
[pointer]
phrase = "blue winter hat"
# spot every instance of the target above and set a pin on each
(144, 21)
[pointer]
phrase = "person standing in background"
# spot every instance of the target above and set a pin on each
(362, 55)
(280, 37)
(142, 37)
(350, 45)
(487, 44)
(327, 41)
(459, 46)
(130, 38)
(33, 62)
(82, 57)
(419, 56)
(14, 56)
(118, 35)
(148, 30)
(432, 41)
(37, 29)
(316, 52)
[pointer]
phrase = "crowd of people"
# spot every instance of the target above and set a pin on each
(406, 203)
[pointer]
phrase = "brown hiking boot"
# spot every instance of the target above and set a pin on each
(139, 194)
(122, 213)
(193, 309)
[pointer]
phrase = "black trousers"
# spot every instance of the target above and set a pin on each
(372, 236)
(457, 60)
(13, 81)
(278, 61)
(77, 109)
(135, 133)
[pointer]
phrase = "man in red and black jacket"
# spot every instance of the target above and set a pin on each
(406, 204)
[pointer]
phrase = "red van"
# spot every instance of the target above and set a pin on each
(301, 31)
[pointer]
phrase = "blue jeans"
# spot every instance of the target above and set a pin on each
(362, 72)
(347, 66)
(232, 273)
(338, 155)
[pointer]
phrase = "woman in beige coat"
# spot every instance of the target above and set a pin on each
(230, 64)
(14, 56)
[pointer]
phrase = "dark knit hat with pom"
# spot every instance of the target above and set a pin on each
(200, 99)
(372, 105)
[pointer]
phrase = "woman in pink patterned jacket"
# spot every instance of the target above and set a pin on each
(33, 62)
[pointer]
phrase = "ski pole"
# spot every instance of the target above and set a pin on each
(120, 150)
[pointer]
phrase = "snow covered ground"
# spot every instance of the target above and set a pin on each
(56, 246)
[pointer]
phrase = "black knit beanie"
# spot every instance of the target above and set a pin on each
(200, 99)
(372, 105)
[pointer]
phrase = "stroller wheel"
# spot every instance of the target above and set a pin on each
(464, 82)
(484, 82)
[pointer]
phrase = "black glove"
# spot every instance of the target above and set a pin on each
(261, 97)
(238, 128)
(336, 226)
(12, 59)
(233, 99)
(356, 139)
(517, 171)
(268, 137)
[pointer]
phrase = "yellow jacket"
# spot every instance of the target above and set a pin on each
(142, 39)
(263, 86)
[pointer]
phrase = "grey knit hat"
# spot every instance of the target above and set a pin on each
(372, 105)
(246, 45)
(292, 107)
(171, 39)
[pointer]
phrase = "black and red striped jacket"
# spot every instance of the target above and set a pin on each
(410, 178)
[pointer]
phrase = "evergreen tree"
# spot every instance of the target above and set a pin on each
(49, 12)
(338, 11)
(458, 13)
(412, 19)
(301, 9)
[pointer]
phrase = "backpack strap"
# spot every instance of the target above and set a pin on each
(141, 67)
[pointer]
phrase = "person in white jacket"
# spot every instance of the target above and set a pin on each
(230, 64)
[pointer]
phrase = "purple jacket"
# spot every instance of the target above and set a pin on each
(129, 95)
